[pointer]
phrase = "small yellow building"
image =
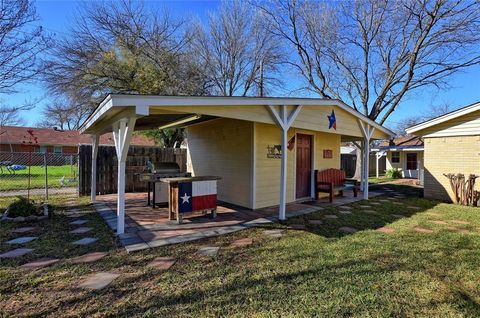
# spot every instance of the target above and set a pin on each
(265, 150)
(451, 145)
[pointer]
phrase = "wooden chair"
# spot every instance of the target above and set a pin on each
(334, 180)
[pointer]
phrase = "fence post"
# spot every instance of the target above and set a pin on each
(46, 175)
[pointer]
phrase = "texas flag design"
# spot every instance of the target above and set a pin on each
(197, 195)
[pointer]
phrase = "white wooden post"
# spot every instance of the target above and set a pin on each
(376, 165)
(367, 132)
(122, 135)
(93, 182)
(284, 122)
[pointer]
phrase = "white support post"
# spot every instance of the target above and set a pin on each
(122, 134)
(376, 165)
(284, 122)
(367, 132)
(93, 182)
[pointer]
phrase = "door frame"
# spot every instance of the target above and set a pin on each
(312, 161)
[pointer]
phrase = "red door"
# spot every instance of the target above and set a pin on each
(304, 165)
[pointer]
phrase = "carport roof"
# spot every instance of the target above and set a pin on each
(114, 105)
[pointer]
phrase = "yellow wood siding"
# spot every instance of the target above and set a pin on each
(310, 117)
(267, 170)
(467, 125)
(223, 148)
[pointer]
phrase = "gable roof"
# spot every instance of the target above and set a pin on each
(443, 118)
(402, 142)
(49, 136)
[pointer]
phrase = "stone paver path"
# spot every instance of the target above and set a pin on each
(433, 214)
(345, 207)
(422, 230)
(79, 222)
(98, 281)
(81, 230)
(363, 206)
(89, 258)
(315, 222)
(397, 203)
(297, 227)
(210, 251)
(399, 216)
(85, 241)
(273, 233)
(458, 230)
(370, 212)
(438, 222)
(344, 212)
(24, 229)
(386, 230)
(375, 203)
(347, 229)
(75, 215)
(22, 240)
(162, 263)
(16, 253)
(331, 216)
(459, 222)
(40, 263)
(242, 242)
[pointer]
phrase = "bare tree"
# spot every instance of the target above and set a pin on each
(432, 112)
(65, 113)
(11, 115)
(20, 44)
(372, 53)
(235, 53)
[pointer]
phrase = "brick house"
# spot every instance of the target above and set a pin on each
(451, 145)
(56, 141)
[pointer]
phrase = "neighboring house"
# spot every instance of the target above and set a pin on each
(451, 145)
(349, 161)
(265, 150)
(56, 141)
(404, 153)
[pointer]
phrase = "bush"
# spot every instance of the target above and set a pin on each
(393, 173)
(23, 207)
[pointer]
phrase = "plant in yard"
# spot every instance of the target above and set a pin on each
(24, 207)
(393, 173)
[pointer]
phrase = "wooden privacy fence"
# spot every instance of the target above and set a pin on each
(107, 166)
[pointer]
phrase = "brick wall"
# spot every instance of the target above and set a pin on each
(449, 155)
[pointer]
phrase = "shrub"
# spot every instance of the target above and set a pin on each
(23, 207)
(393, 173)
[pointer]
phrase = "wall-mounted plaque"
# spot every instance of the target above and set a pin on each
(274, 151)
(327, 154)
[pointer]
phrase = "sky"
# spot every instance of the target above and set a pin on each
(56, 17)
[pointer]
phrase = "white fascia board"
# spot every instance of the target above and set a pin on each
(441, 119)
(143, 102)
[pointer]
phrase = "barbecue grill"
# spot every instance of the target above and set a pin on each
(161, 171)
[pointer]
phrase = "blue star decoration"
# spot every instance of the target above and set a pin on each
(332, 121)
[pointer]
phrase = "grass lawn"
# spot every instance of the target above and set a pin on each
(319, 271)
(19, 180)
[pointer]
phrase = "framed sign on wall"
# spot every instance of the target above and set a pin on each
(327, 154)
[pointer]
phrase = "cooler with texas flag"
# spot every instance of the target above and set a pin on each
(192, 194)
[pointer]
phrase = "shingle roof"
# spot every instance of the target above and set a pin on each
(402, 142)
(49, 136)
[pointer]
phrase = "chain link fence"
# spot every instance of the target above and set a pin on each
(44, 177)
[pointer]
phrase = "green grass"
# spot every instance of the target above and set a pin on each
(383, 179)
(318, 272)
(19, 180)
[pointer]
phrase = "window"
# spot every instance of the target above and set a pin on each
(411, 161)
(395, 157)
(57, 149)
(43, 149)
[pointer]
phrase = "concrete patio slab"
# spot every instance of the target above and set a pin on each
(16, 253)
(438, 222)
(423, 230)
(22, 240)
(386, 230)
(331, 216)
(347, 229)
(459, 222)
(315, 222)
(345, 212)
(88, 258)
(40, 263)
(98, 281)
